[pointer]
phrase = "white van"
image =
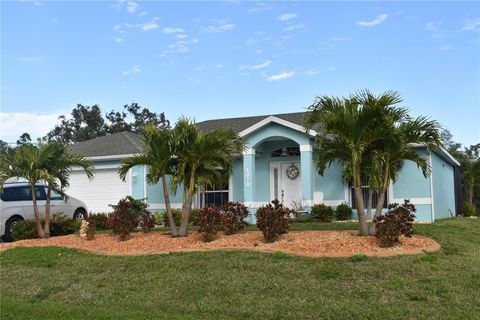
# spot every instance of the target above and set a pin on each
(16, 205)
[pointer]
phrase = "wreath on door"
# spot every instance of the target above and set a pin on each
(292, 172)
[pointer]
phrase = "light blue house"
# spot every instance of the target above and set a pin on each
(278, 163)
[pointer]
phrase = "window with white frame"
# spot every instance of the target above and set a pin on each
(215, 195)
(365, 190)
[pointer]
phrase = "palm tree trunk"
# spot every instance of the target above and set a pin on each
(173, 227)
(357, 181)
(38, 223)
(378, 211)
(46, 227)
(369, 204)
(183, 232)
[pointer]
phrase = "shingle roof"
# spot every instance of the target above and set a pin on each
(130, 143)
(240, 124)
(114, 144)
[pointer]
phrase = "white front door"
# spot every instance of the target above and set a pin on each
(285, 183)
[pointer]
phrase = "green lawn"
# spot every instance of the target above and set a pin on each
(57, 283)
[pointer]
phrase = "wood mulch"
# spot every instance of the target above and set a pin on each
(301, 243)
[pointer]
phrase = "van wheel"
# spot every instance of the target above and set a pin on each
(9, 227)
(79, 214)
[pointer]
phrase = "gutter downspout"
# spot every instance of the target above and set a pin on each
(431, 186)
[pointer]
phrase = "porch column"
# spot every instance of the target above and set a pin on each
(249, 181)
(307, 175)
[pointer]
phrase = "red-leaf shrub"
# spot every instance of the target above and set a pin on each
(125, 216)
(396, 222)
(209, 221)
(234, 214)
(273, 220)
(147, 221)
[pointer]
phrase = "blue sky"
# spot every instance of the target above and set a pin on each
(226, 59)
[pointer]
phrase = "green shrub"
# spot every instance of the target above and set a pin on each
(158, 216)
(23, 230)
(343, 212)
(396, 222)
(209, 221)
(233, 217)
(147, 221)
(468, 210)
(304, 218)
(126, 216)
(100, 220)
(323, 213)
(61, 225)
(177, 217)
(273, 220)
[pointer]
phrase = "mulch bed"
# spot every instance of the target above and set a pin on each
(300, 243)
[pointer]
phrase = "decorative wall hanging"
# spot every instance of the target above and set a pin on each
(292, 172)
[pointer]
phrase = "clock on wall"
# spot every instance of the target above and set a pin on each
(292, 172)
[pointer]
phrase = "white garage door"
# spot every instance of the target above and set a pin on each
(106, 188)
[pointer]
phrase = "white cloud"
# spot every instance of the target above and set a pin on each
(311, 72)
(219, 26)
(378, 20)
(287, 16)
(433, 25)
(148, 26)
(180, 46)
(445, 48)
(219, 66)
(118, 28)
(182, 36)
(295, 27)
(436, 29)
(54, 20)
(143, 14)
(281, 76)
(169, 30)
(471, 25)
(331, 68)
(132, 6)
(256, 67)
(250, 41)
(38, 59)
(259, 7)
(134, 69)
(118, 39)
(16, 123)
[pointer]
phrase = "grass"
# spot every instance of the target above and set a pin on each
(59, 283)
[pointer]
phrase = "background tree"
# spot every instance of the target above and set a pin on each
(87, 122)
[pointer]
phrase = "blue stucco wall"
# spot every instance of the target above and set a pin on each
(331, 183)
(237, 180)
(138, 182)
(155, 193)
(443, 188)
(410, 181)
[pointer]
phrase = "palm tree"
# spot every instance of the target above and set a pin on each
(158, 155)
(59, 165)
(388, 157)
(27, 161)
(203, 158)
(347, 129)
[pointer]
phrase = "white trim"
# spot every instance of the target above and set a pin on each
(145, 181)
(250, 151)
(442, 149)
(230, 188)
(255, 204)
(333, 203)
(306, 148)
(347, 194)
(111, 157)
(129, 181)
(99, 167)
(416, 201)
(274, 119)
(390, 192)
(307, 203)
(431, 186)
(161, 206)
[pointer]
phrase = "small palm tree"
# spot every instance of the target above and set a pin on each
(59, 165)
(27, 161)
(348, 129)
(158, 155)
(388, 157)
(203, 158)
